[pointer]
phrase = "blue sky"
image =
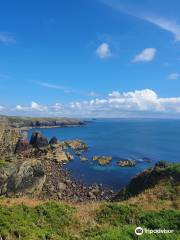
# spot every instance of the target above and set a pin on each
(90, 58)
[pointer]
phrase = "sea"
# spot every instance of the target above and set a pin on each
(144, 140)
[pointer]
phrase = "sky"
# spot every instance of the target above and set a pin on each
(90, 58)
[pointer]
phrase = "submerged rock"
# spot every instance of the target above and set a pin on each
(82, 158)
(38, 140)
(126, 163)
(102, 160)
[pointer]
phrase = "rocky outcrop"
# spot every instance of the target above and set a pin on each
(102, 160)
(38, 140)
(8, 141)
(149, 178)
(76, 145)
(37, 169)
(28, 179)
(22, 145)
(53, 140)
(126, 163)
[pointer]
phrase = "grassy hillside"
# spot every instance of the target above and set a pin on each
(95, 221)
(163, 177)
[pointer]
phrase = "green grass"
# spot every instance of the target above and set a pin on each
(111, 222)
(2, 163)
(47, 221)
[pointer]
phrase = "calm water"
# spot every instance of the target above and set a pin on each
(131, 139)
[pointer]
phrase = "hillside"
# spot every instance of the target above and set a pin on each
(165, 176)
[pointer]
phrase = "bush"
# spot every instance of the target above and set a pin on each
(46, 221)
(118, 214)
(168, 219)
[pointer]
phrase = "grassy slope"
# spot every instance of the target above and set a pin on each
(93, 221)
(155, 207)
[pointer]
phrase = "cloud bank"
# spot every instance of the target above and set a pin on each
(138, 103)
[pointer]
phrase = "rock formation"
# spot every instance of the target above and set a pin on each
(22, 145)
(38, 140)
(53, 140)
(102, 160)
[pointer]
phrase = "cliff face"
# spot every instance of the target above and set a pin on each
(8, 140)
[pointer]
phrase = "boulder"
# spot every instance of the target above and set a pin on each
(38, 140)
(77, 145)
(22, 145)
(102, 160)
(53, 140)
(28, 178)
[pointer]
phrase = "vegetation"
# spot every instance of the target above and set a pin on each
(2, 163)
(55, 221)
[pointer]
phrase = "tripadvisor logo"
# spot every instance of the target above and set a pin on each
(139, 231)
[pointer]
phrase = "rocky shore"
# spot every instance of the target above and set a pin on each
(35, 168)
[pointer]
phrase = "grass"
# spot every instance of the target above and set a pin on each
(31, 220)
(2, 163)
(45, 221)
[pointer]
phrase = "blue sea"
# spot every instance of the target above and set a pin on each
(137, 139)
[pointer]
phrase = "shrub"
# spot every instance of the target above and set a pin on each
(118, 214)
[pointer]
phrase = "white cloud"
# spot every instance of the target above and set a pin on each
(173, 76)
(103, 51)
(36, 107)
(147, 55)
(7, 38)
(19, 108)
(138, 103)
(170, 25)
(2, 108)
(166, 24)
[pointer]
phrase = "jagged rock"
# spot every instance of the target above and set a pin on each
(38, 140)
(53, 140)
(126, 163)
(28, 178)
(69, 156)
(77, 145)
(61, 156)
(22, 145)
(8, 140)
(102, 160)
